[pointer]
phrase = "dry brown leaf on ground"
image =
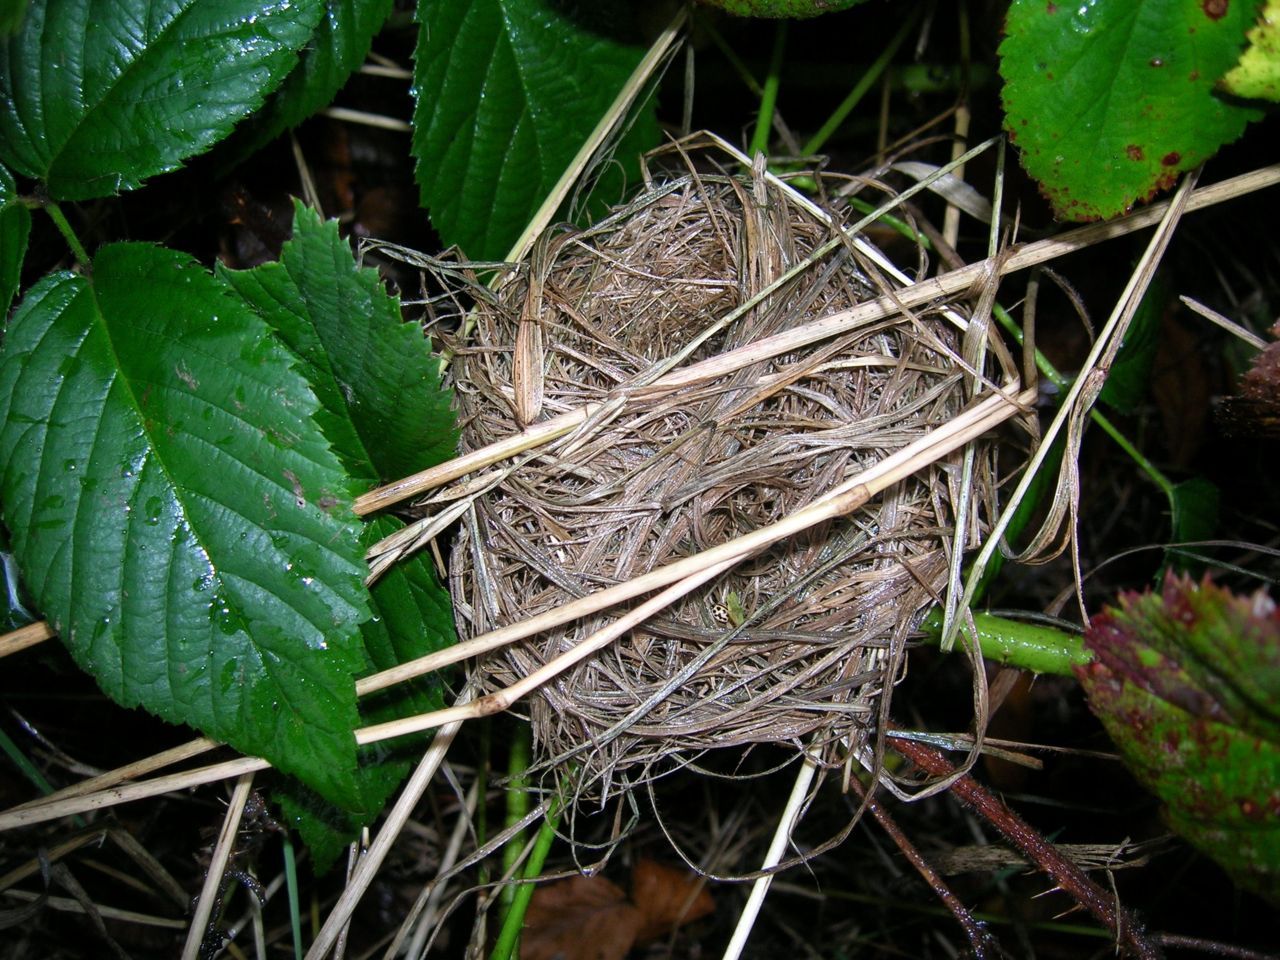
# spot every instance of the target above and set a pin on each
(668, 898)
(582, 918)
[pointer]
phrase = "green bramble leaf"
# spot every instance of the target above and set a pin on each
(1109, 101)
(15, 228)
(178, 516)
(373, 373)
(386, 415)
(412, 617)
(507, 91)
(335, 51)
(98, 95)
(1187, 683)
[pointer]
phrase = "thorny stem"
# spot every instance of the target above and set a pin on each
(979, 939)
(1069, 877)
(1212, 947)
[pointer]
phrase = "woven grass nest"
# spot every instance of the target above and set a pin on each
(796, 643)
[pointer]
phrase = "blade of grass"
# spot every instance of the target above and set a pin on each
(769, 95)
(865, 83)
(209, 898)
(25, 766)
(291, 891)
(777, 846)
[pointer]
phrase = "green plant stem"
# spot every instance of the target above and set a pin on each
(1052, 374)
(517, 797)
(769, 97)
(513, 921)
(23, 764)
(868, 79)
(889, 220)
(1028, 646)
(29, 770)
(291, 887)
(64, 227)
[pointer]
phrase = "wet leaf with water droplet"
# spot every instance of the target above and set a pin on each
(97, 95)
(156, 601)
(386, 416)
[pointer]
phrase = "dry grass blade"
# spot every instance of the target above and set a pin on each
(777, 846)
(209, 897)
(372, 858)
(917, 294)
(853, 492)
(753, 445)
(24, 637)
(1080, 397)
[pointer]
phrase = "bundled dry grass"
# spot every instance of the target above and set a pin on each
(800, 640)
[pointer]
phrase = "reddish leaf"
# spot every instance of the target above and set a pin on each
(582, 918)
(1187, 683)
(1255, 410)
(668, 898)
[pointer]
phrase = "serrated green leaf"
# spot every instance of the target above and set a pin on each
(370, 369)
(1187, 684)
(507, 91)
(15, 228)
(386, 415)
(1130, 378)
(339, 45)
(98, 95)
(1109, 101)
(1257, 75)
(177, 514)
(412, 617)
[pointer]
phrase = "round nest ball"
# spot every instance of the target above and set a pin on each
(800, 641)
